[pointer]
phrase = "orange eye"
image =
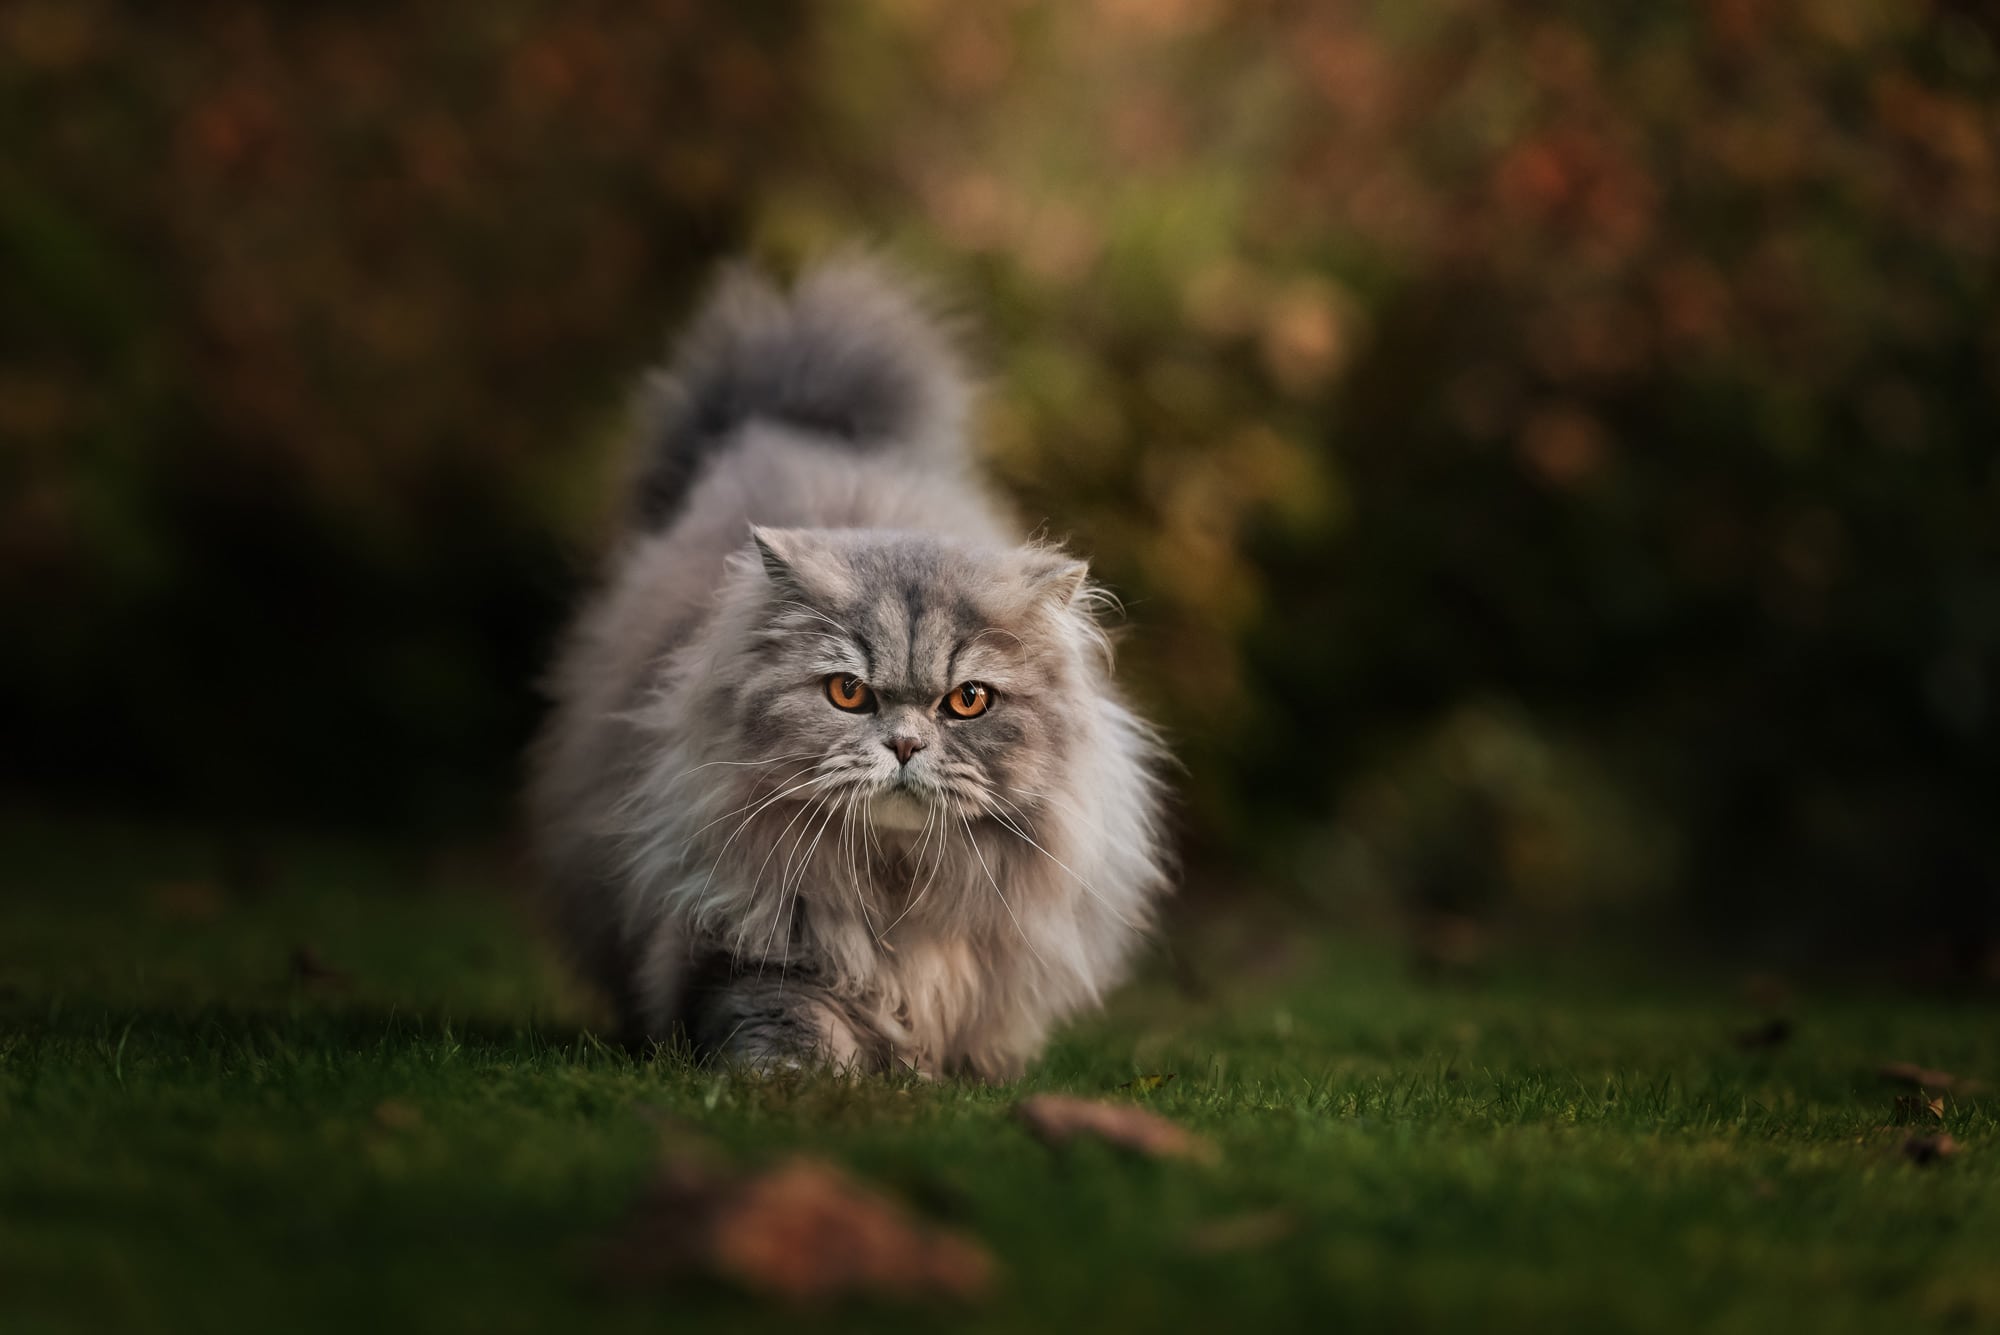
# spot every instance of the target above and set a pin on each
(849, 693)
(968, 700)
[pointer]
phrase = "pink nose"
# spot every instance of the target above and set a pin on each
(904, 747)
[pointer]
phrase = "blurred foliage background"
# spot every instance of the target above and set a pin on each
(1548, 451)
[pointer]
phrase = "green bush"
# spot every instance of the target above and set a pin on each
(1622, 385)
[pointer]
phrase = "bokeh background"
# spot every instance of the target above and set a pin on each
(1550, 453)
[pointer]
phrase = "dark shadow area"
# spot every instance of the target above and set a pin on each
(1548, 457)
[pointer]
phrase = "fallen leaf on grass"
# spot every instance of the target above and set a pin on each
(1929, 1149)
(310, 969)
(396, 1115)
(1242, 1232)
(1060, 1118)
(1768, 991)
(1916, 1108)
(1773, 1033)
(186, 901)
(1925, 1077)
(1448, 945)
(1148, 1082)
(802, 1231)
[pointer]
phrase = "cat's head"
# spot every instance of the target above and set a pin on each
(920, 678)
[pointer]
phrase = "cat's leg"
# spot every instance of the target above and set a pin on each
(659, 970)
(775, 1024)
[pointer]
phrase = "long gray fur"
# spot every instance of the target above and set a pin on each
(746, 867)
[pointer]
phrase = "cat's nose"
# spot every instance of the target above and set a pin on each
(904, 747)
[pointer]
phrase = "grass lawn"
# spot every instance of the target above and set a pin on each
(421, 1133)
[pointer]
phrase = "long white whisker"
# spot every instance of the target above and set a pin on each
(973, 840)
(847, 839)
(833, 807)
(943, 847)
(768, 760)
(1088, 888)
(1013, 807)
(868, 814)
(931, 813)
(830, 804)
(715, 862)
(761, 802)
(778, 914)
(1051, 799)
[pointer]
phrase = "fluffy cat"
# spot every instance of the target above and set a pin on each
(836, 771)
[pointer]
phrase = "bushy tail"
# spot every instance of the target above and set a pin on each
(849, 353)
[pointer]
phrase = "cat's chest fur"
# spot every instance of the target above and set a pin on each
(944, 996)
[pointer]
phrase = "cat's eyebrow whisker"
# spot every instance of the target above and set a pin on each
(972, 839)
(812, 611)
(975, 638)
(839, 640)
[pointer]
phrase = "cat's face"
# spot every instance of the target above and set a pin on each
(920, 681)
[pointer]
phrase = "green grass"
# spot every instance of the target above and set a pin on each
(190, 1137)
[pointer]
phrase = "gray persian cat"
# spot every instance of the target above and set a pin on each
(836, 772)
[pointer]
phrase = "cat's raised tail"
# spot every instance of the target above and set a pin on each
(849, 353)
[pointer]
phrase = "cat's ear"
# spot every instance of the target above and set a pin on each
(1055, 577)
(800, 561)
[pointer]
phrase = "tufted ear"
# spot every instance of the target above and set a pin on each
(802, 562)
(1054, 576)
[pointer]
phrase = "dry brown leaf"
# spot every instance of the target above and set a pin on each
(1060, 1118)
(1242, 1232)
(1449, 944)
(1925, 1077)
(310, 969)
(1931, 1148)
(186, 901)
(1767, 991)
(802, 1231)
(396, 1115)
(1773, 1033)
